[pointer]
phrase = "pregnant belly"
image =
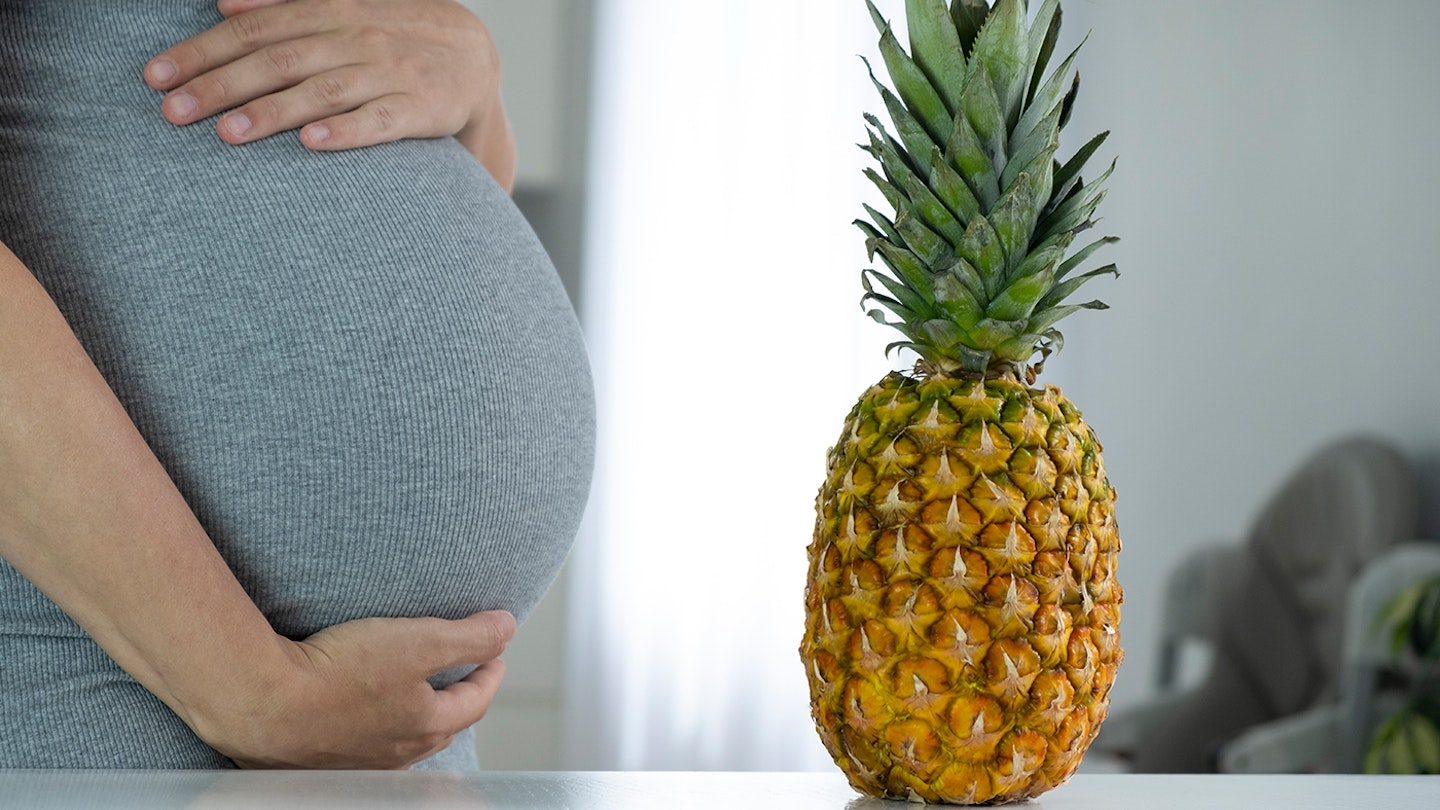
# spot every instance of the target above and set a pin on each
(360, 369)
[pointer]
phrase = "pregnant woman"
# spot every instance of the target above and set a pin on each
(289, 430)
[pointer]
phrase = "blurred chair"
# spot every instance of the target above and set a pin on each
(1274, 610)
(1334, 736)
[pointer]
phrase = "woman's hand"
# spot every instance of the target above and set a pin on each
(350, 73)
(355, 695)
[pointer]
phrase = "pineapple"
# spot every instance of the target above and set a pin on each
(962, 611)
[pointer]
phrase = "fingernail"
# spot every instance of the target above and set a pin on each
(182, 104)
(237, 123)
(508, 623)
(319, 133)
(162, 70)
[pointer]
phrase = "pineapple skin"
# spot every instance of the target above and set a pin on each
(962, 612)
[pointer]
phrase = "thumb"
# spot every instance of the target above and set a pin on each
(475, 639)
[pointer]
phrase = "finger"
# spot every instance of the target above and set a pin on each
(229, 8)
(381, 120)
(477, 639)
(268, 70)
(326, 94)
(464, 703)
(231, 39)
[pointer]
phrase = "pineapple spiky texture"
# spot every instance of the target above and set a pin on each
(962, 612)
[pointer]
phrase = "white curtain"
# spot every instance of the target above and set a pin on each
(721, 305)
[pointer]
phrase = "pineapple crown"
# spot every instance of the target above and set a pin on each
(984, 213)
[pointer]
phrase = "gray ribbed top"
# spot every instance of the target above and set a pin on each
(360, 367)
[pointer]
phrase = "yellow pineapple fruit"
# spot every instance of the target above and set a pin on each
(962, 612)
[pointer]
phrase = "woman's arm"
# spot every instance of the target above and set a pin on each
(350, 73)
(89, 516)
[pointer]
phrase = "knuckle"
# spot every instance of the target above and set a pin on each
(345, 8)
(329, 90)
(247, 29)
(267, 110)
(373, 37)
(383, 117)
(211, 92)
(283, 59)
(188, 56)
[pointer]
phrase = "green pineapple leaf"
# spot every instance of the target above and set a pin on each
(1044, 33)
(981, 106)
(935, 46)
(990, 333)
(1043, 320)
(1044, 140)
(983, 213)
(966, 154)
(1067, 177)
(923, 242)
(956, 300)
(1001, 53)
(1074, 214)
(1019, 299)
(932, 211)
(888, 150)
(1084, 253)
(1014, 220)
(969, 17)
(887, 189)
(1064, 289)
(905, 302)
(913, 85)
(965, 274)
(951, 188)
(886, 228)
(913, 136)
(1046, 104)
(982, 249)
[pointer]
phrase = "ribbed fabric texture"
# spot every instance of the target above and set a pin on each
(360, 368)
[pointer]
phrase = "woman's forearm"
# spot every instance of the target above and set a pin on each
(89, 515)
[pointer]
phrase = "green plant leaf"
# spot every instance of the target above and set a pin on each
(1425, 743)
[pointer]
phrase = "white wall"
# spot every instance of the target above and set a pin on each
(535, 74)
(1276, 193)
(1277, 197)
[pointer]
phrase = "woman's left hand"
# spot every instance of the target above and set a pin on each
(350, 73)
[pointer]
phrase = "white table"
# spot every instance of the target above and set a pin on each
(295, 790)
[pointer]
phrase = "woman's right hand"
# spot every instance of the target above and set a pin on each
(356, 696)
